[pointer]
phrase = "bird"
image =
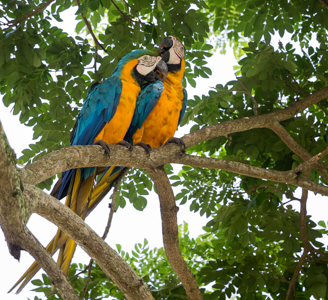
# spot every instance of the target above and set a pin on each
(104, 119)
(159, 110)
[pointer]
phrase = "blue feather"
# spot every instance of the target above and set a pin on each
(184, 105)
(146, 102)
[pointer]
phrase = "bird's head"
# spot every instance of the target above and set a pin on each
(171, 50)
(148, 65)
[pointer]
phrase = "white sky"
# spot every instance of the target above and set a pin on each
(129, 226)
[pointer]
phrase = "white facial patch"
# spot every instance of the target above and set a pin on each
(147, 63)
(176, 52)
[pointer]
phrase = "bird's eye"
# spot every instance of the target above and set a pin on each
(181, 48)
(145, 58)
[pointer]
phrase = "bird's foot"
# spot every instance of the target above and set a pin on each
(103, 145)
(126, 144)
(177, 141)
(145, 146)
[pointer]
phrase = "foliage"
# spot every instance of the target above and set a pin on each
(253, 241)
(151, 265)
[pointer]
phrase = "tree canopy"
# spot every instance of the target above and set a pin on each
(253, 140)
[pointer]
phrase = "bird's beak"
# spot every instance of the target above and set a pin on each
(161, 67)
(165, 45)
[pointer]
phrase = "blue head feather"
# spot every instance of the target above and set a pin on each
(132, 55)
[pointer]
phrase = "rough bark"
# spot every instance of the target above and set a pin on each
(131, 285)
(17, 204)
(171, 234)
(15, 211)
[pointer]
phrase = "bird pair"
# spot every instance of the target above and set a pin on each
(136, 105)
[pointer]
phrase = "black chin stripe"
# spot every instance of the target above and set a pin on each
(137, 76)
(173, 67)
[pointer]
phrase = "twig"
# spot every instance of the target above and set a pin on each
(325, 255)
(96, 56)
(296, 147)
(305, 241)
(122, 13)
(113, 204)
(249, 94)
(299, 87)
(302, 167)
(324, 3)
(39, 9)
(323, 108)
(77, 274)
(88, 279)
(130, 6)
(89, 27)
(274, 188)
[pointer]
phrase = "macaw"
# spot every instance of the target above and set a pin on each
(104, 119)
(159, 110)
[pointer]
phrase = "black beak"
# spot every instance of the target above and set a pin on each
(162, 68)
(165, 45)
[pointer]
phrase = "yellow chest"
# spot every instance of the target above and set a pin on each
(115, 130)
(162, 122)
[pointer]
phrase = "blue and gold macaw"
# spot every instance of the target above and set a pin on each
(159, 110)
(104, 119)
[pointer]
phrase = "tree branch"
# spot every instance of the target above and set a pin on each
(89, 28)
(171, 233)
(302, 167)
(92, 156)
(250, 95)
(261, 121)
(324, 3)
(110, 262)
(305, 241)
(122, 13)
(290, 195)
(297, 148)
(39, 9)
(15, 210)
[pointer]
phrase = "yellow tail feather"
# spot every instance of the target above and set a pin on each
(81, 199)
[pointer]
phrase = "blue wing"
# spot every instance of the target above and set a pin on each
(184, 105)
(98, 109)
(146, 102)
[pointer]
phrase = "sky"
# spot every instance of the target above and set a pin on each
(129, 226)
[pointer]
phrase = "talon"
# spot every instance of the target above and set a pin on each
(103, 145)
(177, 141)
(145, 146)
(126, 144)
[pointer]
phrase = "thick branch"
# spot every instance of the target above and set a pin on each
(261, 121)
(14, 214)
(111, 263)
(171, 234)
(92, 156)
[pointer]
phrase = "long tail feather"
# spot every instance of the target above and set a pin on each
(79, 201)
(103, 186)
(82, 199)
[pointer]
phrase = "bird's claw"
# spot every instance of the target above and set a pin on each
(146, 147)
(126, 144)
(103, 145)
(177, 141)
